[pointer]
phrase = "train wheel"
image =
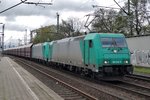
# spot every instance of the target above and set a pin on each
(93, 75)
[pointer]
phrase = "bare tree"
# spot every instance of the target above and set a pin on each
(71, 27)
(112, 21)
(140, 15)
(106, 20)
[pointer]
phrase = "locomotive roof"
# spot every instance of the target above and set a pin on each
(94, 35)
(89, 36)
(70, 39)
(111, 34)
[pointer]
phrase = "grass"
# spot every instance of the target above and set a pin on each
(139, 69)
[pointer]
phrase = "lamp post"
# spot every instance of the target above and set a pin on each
(3, 27)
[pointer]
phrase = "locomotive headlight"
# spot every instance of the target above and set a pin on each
(126, 62)
(106, 62)
(115, 51)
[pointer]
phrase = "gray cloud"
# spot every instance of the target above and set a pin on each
(14, 27)
(10, 18)
(33, 10)
(58, 5)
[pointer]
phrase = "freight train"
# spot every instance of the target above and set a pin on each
(98, 55)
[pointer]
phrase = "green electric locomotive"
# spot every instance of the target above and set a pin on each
(95, 54)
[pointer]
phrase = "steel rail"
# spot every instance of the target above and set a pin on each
(139, 77)
(122, 88)
(89, 97)
(133, 88)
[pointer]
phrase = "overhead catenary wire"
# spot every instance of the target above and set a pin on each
(86, 25)
(37, 3)
(109, 7)
(121, 8)
(104, 7)
(118, 3)
(25, 2)
(12, 6)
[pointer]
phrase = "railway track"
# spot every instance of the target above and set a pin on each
(69, 92)
(133, 88)
(129, 89)
(139, 77)
(65, 90)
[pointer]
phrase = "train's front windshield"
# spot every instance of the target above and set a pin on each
(113, 42)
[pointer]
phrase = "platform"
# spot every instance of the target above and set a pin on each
(18, 84)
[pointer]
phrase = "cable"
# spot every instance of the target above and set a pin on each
(24, 1)
(13, 6)
(115, 4)
(121, 8)
(104, 7)
(37, 3)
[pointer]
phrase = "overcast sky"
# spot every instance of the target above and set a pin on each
(30, 17)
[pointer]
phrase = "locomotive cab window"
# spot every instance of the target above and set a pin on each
(90, 43)
(113, 42)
